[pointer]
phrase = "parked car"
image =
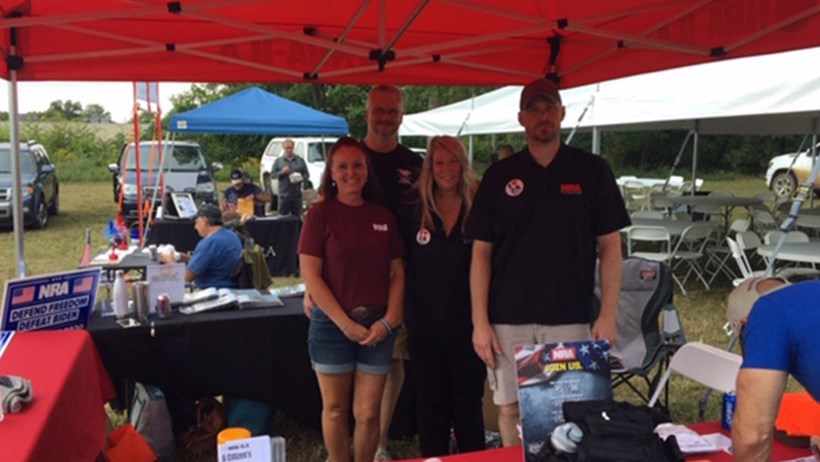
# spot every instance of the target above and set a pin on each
(41, 189)
(782, 177)
(186, 168)
(312, 149)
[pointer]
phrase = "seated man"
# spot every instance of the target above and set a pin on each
(215, 256)
(778, 324)
(242, 189)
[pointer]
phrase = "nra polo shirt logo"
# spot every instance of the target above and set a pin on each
(514, 187)
(571, 189)
(423, 237)
(380, 227)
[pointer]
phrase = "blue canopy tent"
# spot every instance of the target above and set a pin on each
(256, 112)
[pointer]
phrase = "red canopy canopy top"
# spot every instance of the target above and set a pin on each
(455, 42)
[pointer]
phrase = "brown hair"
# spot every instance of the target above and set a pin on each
(328, 190)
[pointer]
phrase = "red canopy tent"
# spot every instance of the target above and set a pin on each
(447, 42)
(455, 42)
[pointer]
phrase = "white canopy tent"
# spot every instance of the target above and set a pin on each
(773, 94)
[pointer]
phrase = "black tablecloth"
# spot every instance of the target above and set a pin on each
(257, 354)
(278, 237)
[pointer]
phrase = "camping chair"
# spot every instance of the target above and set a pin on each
(705, 364)
(643, 346)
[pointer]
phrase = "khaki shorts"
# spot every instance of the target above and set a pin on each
(400, 347)
(504, 378)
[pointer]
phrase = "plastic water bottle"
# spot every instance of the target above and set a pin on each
(277, 449)
(120, 295)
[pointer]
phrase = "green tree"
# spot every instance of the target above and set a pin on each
(94, 113)
(63, 110)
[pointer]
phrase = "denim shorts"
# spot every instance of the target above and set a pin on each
(331, 352)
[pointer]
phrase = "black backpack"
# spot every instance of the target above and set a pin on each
(615, 432)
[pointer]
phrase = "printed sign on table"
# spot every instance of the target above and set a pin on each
(550, 374)
(53, 301)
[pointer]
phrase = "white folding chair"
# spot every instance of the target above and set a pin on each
(636, 195)
(763, 220)
(650, 214)
(772, 237)
(705, 364)
(718, 255)
(690, 251)
(662, 240)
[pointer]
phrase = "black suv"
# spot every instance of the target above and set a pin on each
(41, 190)
(187, 168)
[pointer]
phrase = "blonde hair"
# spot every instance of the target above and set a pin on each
(426, 184)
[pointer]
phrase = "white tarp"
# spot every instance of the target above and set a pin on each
(773, 94)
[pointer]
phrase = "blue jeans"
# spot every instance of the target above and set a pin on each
(331, 352)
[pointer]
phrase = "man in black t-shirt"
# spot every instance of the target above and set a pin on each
(240, 189)
(396, 168)
(539, 221)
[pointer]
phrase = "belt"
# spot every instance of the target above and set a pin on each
(362, 312)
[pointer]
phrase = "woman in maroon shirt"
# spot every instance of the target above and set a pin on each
(351, 258)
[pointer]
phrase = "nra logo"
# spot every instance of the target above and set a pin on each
(571, 188)
(380, 227)
(563, 354)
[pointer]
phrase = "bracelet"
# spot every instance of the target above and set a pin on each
(386, 325)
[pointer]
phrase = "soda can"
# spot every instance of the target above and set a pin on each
(729, 403)
(164, 305)
(141, 298)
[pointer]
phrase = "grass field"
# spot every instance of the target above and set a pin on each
(90, 205)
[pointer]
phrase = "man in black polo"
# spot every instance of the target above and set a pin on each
(539, 221)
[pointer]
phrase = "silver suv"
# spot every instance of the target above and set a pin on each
(187, 168)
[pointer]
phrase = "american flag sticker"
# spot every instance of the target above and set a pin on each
(22, 295)
(83, 285)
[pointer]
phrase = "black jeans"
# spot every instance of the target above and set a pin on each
(449, 379)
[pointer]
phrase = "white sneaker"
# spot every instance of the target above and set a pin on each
(382, 454)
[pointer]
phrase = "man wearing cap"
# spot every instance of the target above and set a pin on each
(779, 325)
(291, 172)
(215, 255)
(242, 189)
(539, 221)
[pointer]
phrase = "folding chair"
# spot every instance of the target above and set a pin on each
(705, 364)
(718, 255)
(690, 250)
(643, 346)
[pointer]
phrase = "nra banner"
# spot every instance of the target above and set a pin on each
(53, 301)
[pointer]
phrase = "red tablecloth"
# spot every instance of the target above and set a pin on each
(66, 419)
(779, 451)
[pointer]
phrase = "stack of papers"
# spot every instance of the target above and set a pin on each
(220, 299)
(690, 441)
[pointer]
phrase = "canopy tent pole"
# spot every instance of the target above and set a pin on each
(596, 141)
(695, 158)
(580, 119)
(678, 157)
(14, 139)
(805, 190)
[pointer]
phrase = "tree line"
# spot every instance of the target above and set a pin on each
(639, 152)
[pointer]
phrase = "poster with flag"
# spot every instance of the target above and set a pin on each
(551, 374)
(49, 302)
